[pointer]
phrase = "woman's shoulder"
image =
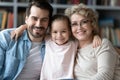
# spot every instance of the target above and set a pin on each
(105, 46)
(106, 42)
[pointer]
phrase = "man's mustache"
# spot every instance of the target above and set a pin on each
(41, 28)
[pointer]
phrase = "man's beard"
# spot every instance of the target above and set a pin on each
(41, 28)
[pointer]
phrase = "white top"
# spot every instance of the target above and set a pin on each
(32, 68)
(59, 61)
(101, 63)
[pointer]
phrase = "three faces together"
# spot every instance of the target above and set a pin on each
(61, 50)
(61, 31)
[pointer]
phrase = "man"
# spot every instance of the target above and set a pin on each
(22, 59)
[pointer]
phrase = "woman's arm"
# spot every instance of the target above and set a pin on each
(16, 33)
(106, 61)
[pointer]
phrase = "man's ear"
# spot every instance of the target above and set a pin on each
(26, 19)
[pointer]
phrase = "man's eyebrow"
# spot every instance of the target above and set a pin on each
(40, 18)
(45, 17)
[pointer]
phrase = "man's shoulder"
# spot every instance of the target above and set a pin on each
(7, 31)
(5, 38)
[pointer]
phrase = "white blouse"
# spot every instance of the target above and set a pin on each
(101, 63)
(59, 61)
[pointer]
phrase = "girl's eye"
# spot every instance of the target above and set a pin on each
(64, 31)
(54, 32)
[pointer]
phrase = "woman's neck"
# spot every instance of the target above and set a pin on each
(84, 43)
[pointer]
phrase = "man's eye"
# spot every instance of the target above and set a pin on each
(44, 20)
(34, 18)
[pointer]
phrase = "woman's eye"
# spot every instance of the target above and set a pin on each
(74, 24)
(85, 21)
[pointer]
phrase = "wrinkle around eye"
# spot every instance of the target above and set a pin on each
(74, 24)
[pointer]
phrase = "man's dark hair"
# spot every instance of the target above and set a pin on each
(36, 0)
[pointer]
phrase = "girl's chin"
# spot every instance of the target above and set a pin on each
(81, 39)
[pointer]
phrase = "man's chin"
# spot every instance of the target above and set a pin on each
(38, 35)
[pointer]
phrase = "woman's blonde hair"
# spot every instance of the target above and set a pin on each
(88, 13)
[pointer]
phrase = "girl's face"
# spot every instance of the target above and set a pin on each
(60, 32)
(81, 27)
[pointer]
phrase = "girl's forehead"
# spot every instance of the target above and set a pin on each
(60, 23)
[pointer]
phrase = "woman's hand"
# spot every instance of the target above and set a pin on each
(96, 41)
(15, 34)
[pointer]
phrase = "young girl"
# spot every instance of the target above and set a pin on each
(60, 50)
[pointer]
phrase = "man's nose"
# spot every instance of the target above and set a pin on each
(38, 23)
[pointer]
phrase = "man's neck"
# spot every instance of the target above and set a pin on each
(37, 39)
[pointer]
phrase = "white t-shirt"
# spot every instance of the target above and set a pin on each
(32, 68)
(59, 61)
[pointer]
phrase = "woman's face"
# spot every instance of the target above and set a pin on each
(81, 27)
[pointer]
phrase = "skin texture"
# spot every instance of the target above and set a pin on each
(37, 23)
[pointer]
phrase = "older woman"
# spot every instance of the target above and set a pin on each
(100, 63)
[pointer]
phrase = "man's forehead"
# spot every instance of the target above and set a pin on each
(36, 11)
